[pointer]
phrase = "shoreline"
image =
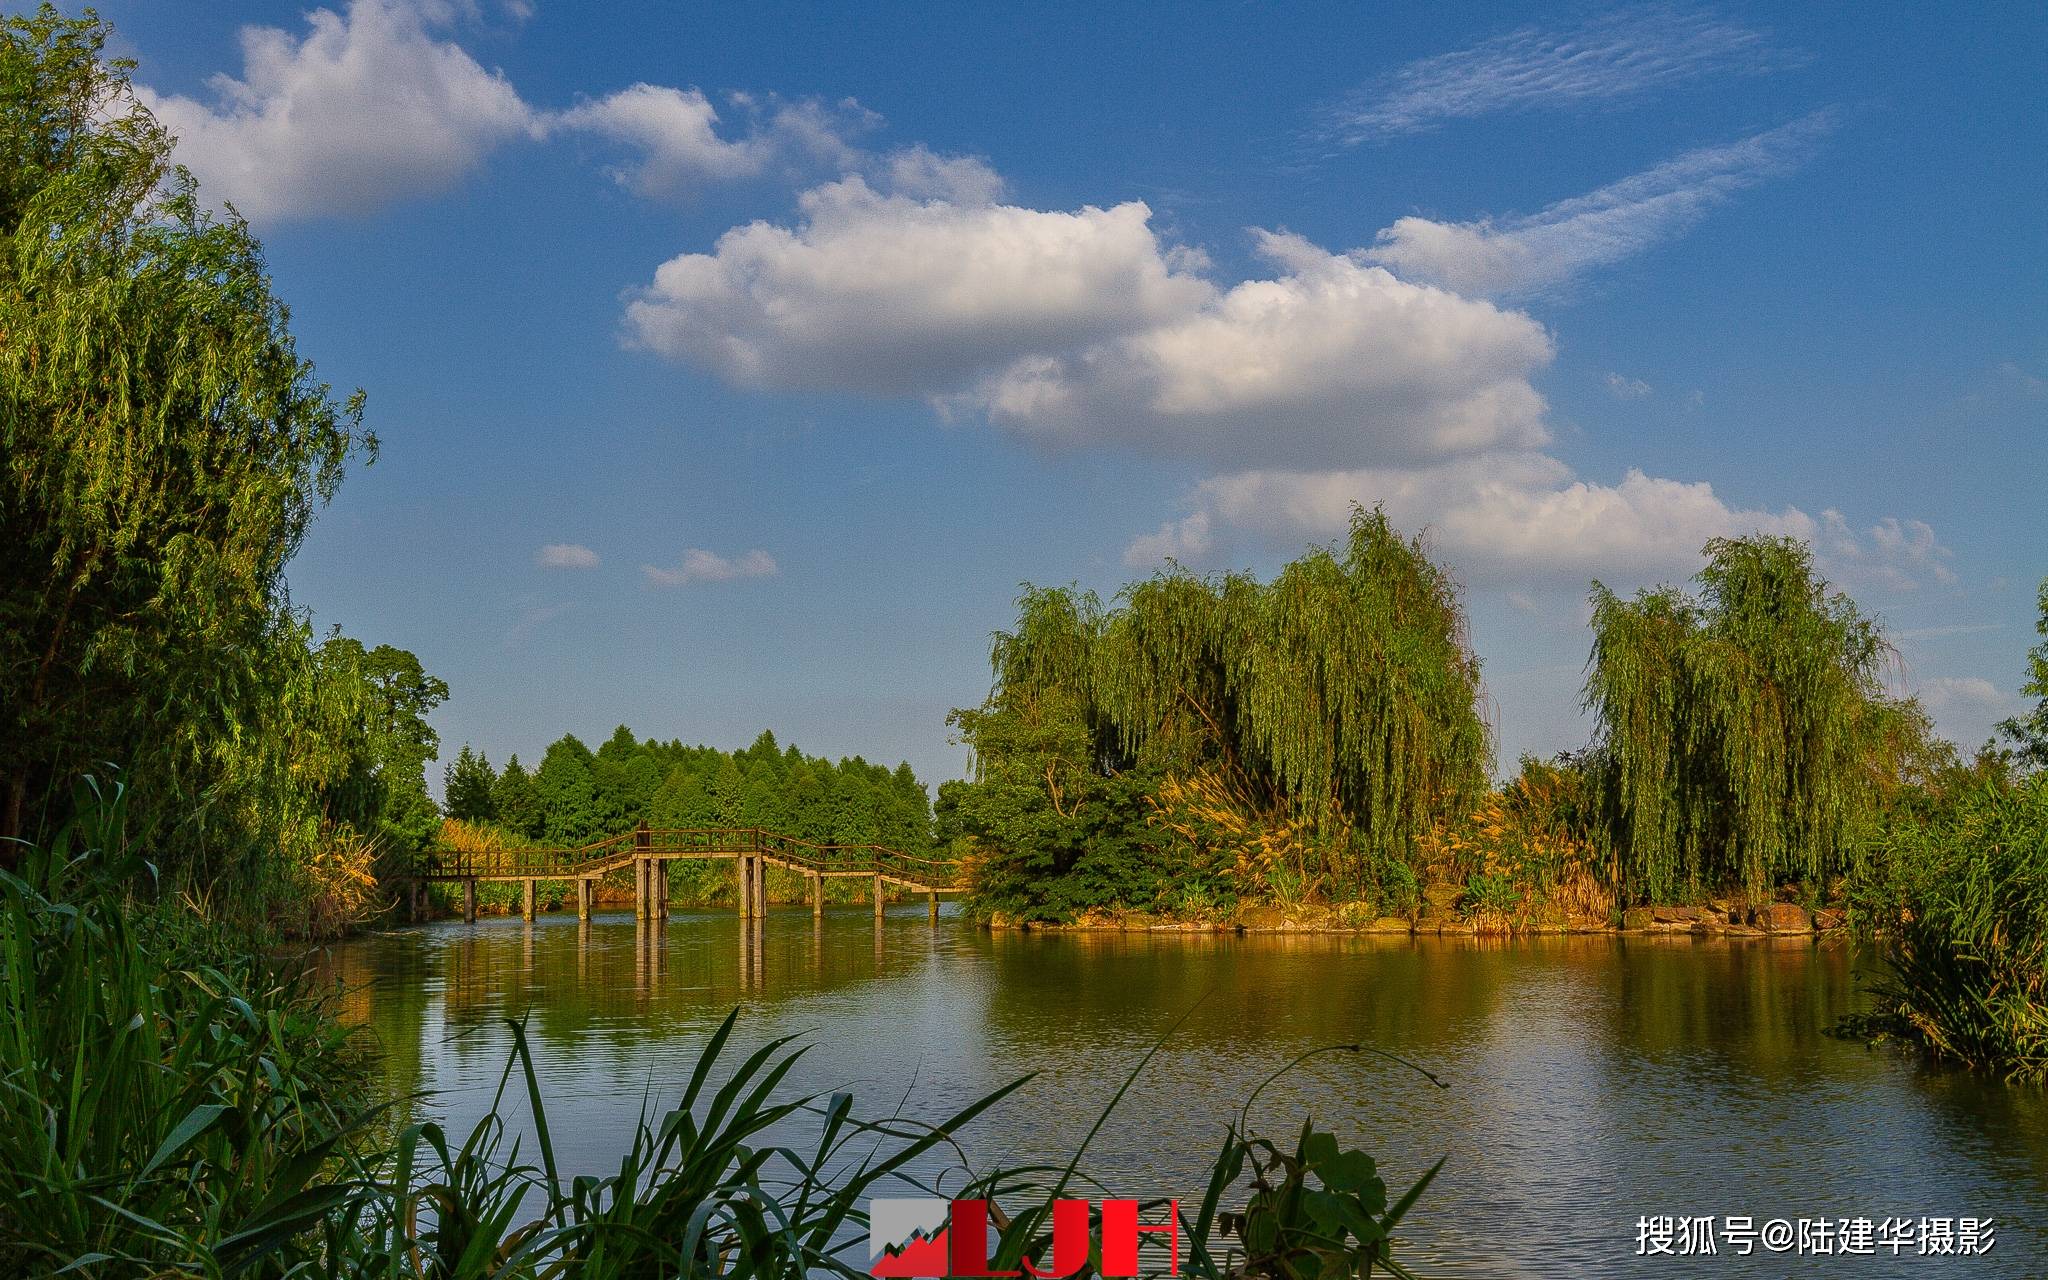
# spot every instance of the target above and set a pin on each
(1716, 920)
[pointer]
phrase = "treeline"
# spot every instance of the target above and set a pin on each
(1209, 742)
(576, 795)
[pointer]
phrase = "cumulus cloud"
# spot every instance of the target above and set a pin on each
(367, 107)
(673, 130)
(1085, 326)
(1615, 56)
(706, 566)
(895, 293)
(1523, 517)
(565, 555)
(1543, 250)
(378, 104)
(1627, 388)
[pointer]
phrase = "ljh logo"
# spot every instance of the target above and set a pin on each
(949, 1239)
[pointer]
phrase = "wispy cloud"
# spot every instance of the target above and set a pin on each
(700, 565)
(1528, 254)
(565, 555)
(1623, 388)
(1618, 55)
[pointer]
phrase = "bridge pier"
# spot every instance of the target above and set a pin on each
(528, 901)
(878, 899)
(469, 900)
(744, 870)
(659, 870)
(817, 895)
(760, 887)
(932, 901)
(583, 900)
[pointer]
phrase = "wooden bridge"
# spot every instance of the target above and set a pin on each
(645, 849)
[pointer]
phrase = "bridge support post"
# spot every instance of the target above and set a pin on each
(583, 900)
(642, 908)
(745, 865)
(760, 887)
(931, 898)
(469, 901)
(659, 870)
(528, 902)
(878, 899)
(817, 895)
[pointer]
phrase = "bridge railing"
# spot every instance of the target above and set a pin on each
(619, 850)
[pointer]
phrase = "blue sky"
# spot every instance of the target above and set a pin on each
(734, 365)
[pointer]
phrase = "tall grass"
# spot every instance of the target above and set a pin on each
(1969, 960)
(172, 1106)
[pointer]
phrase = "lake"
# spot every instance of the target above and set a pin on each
(1593, 1080)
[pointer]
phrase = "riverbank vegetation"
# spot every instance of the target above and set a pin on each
(1208, 740)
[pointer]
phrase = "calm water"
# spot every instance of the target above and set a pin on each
(1593, 1080)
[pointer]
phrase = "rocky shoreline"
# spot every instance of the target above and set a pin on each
(1732, 918)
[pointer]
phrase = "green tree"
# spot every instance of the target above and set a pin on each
(468, 785)
(568, 799)
(1743, 733)
(162, 449)
(1336, 707)
(516, 801)
(2028, 732)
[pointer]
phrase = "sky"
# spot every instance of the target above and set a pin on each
(734, 365)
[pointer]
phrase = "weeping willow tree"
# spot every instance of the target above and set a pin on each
(1339, 699)
(1742, 728)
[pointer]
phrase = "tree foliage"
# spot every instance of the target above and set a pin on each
(578, 795)
(1743, 731)
(1339, 700)
(162, 449)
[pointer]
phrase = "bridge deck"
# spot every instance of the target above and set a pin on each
(766, 848)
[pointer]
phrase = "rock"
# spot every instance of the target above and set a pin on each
(1442, 898)
(1784, 917)
(1390, 924)
(1136, 921)
(1456, 929)
(1828, 919)
(1637, 918)
(1261, 918)
(1674, 915)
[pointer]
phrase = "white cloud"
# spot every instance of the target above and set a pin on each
(674, 135)
(1615, 56)
(1326, 362)
(900, 294)
(1522, 518)
(1085, 327)
(1893, 553)
(705, 566)
(1966, 709)
(565, 555)
(674, 131)
(375, 105)
(1543, 250)
(1627, 388)
(365, 109)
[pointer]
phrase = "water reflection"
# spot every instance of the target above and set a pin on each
(1593, 1079)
